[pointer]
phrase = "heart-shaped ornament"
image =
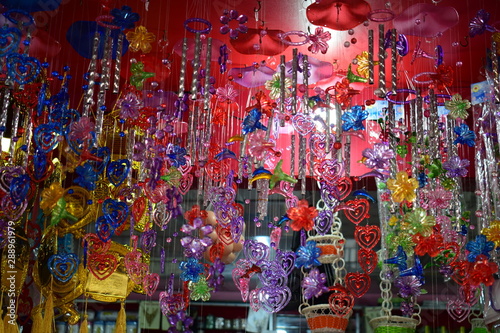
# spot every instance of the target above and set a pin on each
(255, 251)
(273, 299)
(460, 271)
(19, 189)
(303, 123)
(150, 283)
(237, 226)
(63, 266)
(328, 170)
(9, 40)
(136, 271)
(217, 171)
(161, 216)
(224, 235)
(22, 69)
(450, 251)
(286, 260)
(95, 244)
(341, 303)
(319, 145)
(103, 156)
(357, 210)
(367, 236)
(344, 187)
(115, 211)
(185, 183)
(367, 260)
(254, 299)
(357, 283)
(329, 195)
(47, 137)
(458, 309)
(186, 168)
(102, 265)
(117, 171)
(12, 211)
(323, 222)
(8, 173)
(170, 304)
(139, 208)
(104, 229)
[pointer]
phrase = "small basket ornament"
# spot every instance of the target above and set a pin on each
(332, 247)
(394, 324)
(332, 317)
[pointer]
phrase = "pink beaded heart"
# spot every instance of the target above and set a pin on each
(303, 124)
(150, 283)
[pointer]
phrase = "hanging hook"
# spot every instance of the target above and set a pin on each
(466, 38)
(259, 8)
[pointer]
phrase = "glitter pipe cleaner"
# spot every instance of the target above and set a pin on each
(414, 150)
(391, 122)
(106, 61)
(327, 132)
(182, 71)
(89, 93)
(28, 134)
(381, 57)
(394, 62)
(302, 164)
(433, 120)
(118, 63)
(196, 65)
(490, 168)
(15, 125)
(494, 67)
(206, 87)
(3, 116)
(305, 74)
(338, 128)
(282, 89)
(292, 155)
(130, 152)
(294, 81)
(371, 50)
(27, 42)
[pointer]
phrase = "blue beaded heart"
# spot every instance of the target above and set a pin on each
(117, 171)
(9, 40)
(116, 212)
(104, 229)
(63, 266)
(19, 188)
(47, 136)
(22, 69)
(103, 153)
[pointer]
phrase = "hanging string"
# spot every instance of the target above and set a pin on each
(118, 63)
(89, 93)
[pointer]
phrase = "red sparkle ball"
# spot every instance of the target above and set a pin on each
(337, 145)
(354, 40)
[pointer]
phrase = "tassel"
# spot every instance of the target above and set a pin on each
(84, 326)
(121, 320)
(37, 322)
(48, 316)
(8, 327)
(2, 329)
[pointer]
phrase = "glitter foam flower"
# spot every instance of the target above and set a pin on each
(319, 41)
(379, 157)
(314, 284)
(274, 86)
(140, 39)
(439, 198)
(227, 94)
(464, 135)
(417, 221)
(302, 216)
(456, 167)
(191, 270)
(129, 106)
(409, 286)
(458, 107)
(363, 64)
(200, 290)
(403, 187)
(354, 119)
(307, 256)
(493, 232)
